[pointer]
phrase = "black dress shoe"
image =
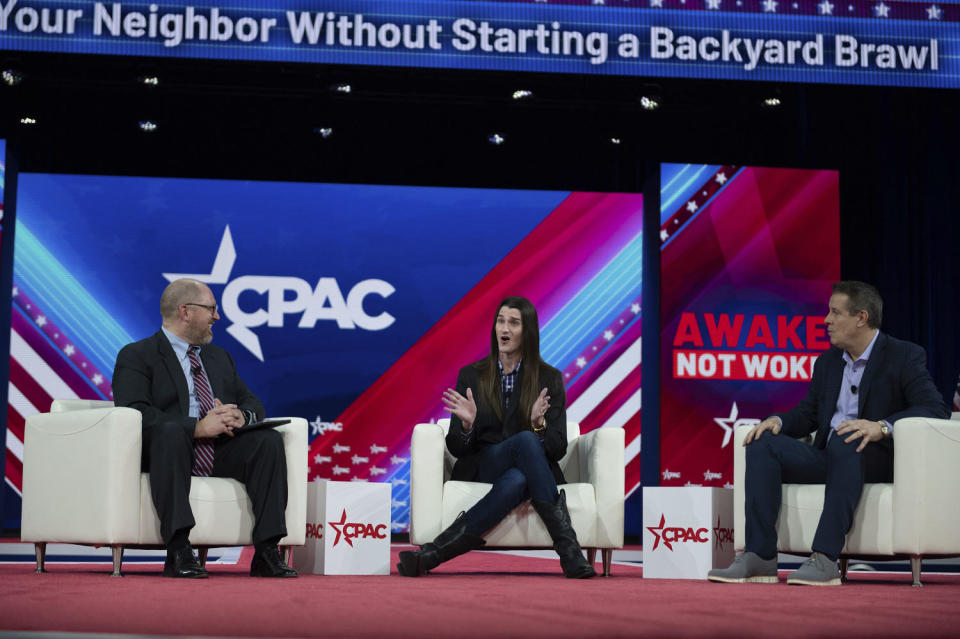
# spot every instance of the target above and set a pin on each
(267, 562)
(182, 563)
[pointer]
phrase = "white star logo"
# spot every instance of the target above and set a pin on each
(934, 12)
(635, 308)
(69, 350)
(728, 424)
(598, 1)
(608, 335)
(770, 6)
(826, 8)
(41, 320)
(721, 178)
(581, 362)
(656, 3)
(16, 291)
(692, 206)
(881, 10)
(97, 379)
(713, 4)
(664, 235)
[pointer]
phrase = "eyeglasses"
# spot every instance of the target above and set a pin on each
(210, 307)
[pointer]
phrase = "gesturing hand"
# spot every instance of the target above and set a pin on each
(540, 407)
(463, 407)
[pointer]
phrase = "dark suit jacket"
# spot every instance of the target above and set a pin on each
(488, 429)
(148, 377)
(895, 384)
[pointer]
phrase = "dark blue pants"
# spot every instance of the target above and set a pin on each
(518, 469)
(774, 460)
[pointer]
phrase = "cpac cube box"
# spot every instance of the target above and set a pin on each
(687, 531)
(348, 529)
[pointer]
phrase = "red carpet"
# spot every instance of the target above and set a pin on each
(481, 594)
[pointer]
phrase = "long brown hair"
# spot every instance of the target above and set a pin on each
(488, 371)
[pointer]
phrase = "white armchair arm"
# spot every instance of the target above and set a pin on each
(427, 448)
(81, 476)
(295, 445)
(926, 484)
(602, 465)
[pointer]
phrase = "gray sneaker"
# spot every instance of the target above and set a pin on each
(816, 571)
(748, 567)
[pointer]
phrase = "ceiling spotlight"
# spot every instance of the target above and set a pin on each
(771, 102)
(11, 77)
(615, 141)
(147, 126)
(522, 94)
(342, 88)
(28, 121)
(496, 139)
(149, 80)
(649, 103)
(323, 131)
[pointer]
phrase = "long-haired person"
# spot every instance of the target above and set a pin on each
(508, 428)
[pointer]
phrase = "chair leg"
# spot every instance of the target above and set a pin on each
(202, 556)
(288, 555)
(844, 562)
(607, 554)
(117, 560)
(592, 555)
(40, 548)
(915, 563)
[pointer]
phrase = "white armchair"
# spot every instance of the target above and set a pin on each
(593, 468)
(82, 484)
(916, 516)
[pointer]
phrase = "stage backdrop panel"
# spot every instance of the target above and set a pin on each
(876, 42)
(351, 305)
(747, 258)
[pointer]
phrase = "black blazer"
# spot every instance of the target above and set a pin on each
(895, 384)
(488, 429)
(148, 377)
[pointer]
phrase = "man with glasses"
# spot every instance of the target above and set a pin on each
(192, 400)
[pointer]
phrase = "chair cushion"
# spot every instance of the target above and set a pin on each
(221, 508)
(522, 527)
(872, 530)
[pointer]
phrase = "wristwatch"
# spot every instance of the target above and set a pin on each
(885, 430)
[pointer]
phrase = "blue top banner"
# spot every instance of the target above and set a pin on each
(874, 42)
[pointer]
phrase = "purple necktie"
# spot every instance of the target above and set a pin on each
(203, 447)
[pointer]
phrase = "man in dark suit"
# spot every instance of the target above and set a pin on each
(860, 388)
(192, 400)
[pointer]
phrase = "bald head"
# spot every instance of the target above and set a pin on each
(180, 292)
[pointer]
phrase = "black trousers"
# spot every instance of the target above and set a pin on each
(256, 459)
(773, 460)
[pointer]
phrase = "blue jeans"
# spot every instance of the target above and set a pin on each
(773, 460)
(518, 469)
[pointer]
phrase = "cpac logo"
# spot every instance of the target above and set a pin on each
(323, 302)
(676, 535)
(357, 459)
(396, 459)
(314, 531)
(322, 459)
(340, 470)
(318, 427)
(670, 474)
(340, 448)
(374, 449)
(353, 530)
(729, 424)
(722, 535)
(707, 476)
(375, 470)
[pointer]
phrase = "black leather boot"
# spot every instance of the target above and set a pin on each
(557, 519)
(452, 542)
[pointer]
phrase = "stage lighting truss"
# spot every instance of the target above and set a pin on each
(522, 94)
(148, 126)
(771, 102)
(28, 120)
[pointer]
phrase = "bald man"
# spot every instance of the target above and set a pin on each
(192, 400)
